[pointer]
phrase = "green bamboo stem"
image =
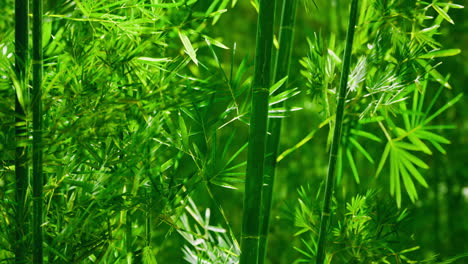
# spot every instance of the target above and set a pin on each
(148, 218)
(37, 180)
(282, 65)
(21, 167)
(149, 199)
(336, 134)
(257, 134)
(128, 235)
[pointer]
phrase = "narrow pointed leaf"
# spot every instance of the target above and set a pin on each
(188, 47)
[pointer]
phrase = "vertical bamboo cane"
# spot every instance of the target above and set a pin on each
(282, 65)
(21, 167)
(257, 134)
(336, 133)
(37, 133)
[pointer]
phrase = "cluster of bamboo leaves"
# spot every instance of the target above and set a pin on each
(368, 229)
(128, 119)
(393, 86)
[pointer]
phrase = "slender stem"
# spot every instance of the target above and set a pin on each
(38, 235)
(128, 235)
(149, 199)
(286, 37)
(21, 167)
(148, 219)
(257, 134)
(336, 134)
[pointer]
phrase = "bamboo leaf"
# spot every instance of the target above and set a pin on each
(440, 53)
(222, 6)
(215, 42)
(212, 7)
(439, 147)
(424, 134)
(419, 143)
(393, 173)
(352, 164)
(46, 34)
(154, 60)
(362, 150)
(434, 73)
(288, 151)
(237, 153)
(414, 172)
(148, 256)
(183, 132)
(409, 185)
(283, 96)
(366, 135)
(405, 145)
(451, 5)
(166, 165)
(277, 85)
(188, 47)
(442, 13)
(383, 159)
(415, 160)
(443, 108)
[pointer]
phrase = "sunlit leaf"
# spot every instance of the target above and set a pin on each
(188, 47)
(440, 53)
(442, 13)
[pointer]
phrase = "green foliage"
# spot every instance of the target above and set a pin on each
(206, 243)
(117, 90)
(146, 112)
(367, 230)
(387, 89)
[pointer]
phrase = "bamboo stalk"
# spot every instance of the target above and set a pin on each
(282, 65)
(149, 199)
(21, 167)
(37, 180)
(128, 236)
(257, 134)
(336, 140)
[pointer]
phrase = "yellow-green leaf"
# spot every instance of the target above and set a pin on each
(414, 172)
(188, 47)
(409, 185)
(434, 73)
(440, 53)
(352, 164)
(442, 13)
(383, 159)
(413, 159)
(419, 143)
(361, 149)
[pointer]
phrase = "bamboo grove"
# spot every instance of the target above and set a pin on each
(224, 131)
